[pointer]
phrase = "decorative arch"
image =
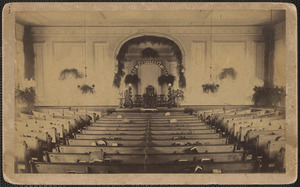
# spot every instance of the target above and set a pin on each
(123, 49)
(157, 62)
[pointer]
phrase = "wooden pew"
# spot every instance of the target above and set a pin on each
(22, 157)
(252, 135)
(89, 142)
(184, 136)
(263, 140)
(153, 137)
(273, 148)
(153, 159)
(260, 127)
(110, 136)
(183, 131)
(116, 128)
(151, 150)
(274, 155)
(142, 142)
(177, 124)
(178, 121)
(43, 124)
(209, 167)
(118, 124)
(210, 141)
(27, 147)
(26, 116)
(39, 132)
(179, 128)
(108, 132)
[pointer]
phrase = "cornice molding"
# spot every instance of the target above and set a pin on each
(96, 31)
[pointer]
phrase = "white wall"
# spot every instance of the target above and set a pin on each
(280, 55)
(19, 63)
(57, 48)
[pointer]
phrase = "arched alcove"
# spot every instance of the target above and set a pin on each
(123, 48)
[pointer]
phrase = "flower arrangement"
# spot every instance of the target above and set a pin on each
(166, 79)
(153, 40)
(132, 79)
(228, 72)
(213, 88)
(66, 72)
(86, 89)
(179, 96)
(267, 96)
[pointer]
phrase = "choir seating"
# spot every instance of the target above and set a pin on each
(246, 140)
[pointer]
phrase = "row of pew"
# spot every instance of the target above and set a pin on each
(207, 141)
(146, 143)
(259, 131)
(44, 131)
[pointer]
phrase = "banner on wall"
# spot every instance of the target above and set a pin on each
(157, 62)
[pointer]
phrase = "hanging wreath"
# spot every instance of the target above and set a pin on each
(132, 79)
(166, 79)
(210, 87)
(228, 72)
(153, 40)
(66, 72)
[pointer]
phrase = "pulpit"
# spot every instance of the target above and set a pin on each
(150, 98)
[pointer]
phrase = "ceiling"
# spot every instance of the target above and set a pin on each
(151, 18)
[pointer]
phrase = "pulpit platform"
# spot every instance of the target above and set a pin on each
(157, 110)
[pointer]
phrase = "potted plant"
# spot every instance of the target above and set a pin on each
(26, 97)
(267, 95)
(179, 96)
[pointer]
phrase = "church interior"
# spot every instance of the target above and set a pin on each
(173, 91)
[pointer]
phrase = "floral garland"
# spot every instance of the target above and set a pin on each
(153, 40)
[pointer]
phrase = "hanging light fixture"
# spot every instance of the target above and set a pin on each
(85, 88)
(211, 86)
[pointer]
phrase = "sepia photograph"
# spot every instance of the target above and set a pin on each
(152, 89)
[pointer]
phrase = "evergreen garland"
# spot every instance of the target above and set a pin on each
(149, 53)
(166, 79)
(132, 79)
